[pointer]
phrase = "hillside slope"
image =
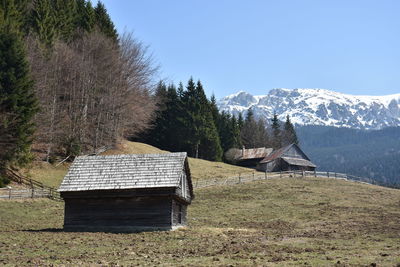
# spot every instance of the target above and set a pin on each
(52, 175)
(372, 154)
(278, 222)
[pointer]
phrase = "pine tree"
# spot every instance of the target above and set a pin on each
(214, 109)
(248, 132)
(104, 22)
(42, 22)
(191, 119)
(65, 18)
(202, 138)
(18, 103)
(262, 137)
(156, 136)
(11, 15)
(174, 120)
(235, 130)
(289, 134)
(240, 121)
(86, 16)
(276, 133)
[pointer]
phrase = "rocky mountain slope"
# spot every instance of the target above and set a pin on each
(319, 107)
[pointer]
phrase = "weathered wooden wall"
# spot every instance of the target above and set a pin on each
(118, 214)
(294, 152)
(179, 211)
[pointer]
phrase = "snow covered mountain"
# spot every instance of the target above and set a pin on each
(318, 107)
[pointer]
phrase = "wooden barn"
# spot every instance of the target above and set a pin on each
(123, 193)
(251, 157)
(288, 158)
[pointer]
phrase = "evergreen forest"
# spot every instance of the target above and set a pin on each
(371, 154)
(186, 120)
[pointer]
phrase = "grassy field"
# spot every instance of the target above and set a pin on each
(278, 222)
(52, 175)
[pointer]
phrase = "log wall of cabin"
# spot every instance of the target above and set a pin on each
(179, 211)
(295, 152)
(127, 213)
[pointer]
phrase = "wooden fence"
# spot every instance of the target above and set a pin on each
(34, 188)
(37, 189)
(240, 178)
(11, 193)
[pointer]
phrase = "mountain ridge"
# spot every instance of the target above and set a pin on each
(324, 107)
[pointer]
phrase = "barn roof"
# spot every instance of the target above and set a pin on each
(252, 153)
(299, 162)
(276, 154)
(126, 172)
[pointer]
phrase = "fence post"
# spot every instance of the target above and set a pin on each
(315, 173)
(280, 174)
(266, 175)
(302, 174)
(9, 192)
(33, 192)
(239, 178)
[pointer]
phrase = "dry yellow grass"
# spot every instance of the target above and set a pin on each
(127, 147)
(275, 222)
(201, 169)
(204, 169)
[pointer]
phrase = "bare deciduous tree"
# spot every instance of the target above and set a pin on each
(92, 92)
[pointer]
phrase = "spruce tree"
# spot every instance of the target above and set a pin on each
(104, 22)
(86, 16)
(262, 137)
(174, 120)
(199, 130)
(192, 119)
(11, 15)
(240, 121)
(18, 103)
(43, 22)
(214, 109)
(235, 130)
(156, 136)
(289, 134)
(248, 132)
(276, 133)
(65, 18)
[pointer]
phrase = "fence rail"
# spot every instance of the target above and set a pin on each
(11, 193)
(240, 178)
(36, 189)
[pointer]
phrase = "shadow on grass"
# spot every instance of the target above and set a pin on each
(48, 230)
(97, 230)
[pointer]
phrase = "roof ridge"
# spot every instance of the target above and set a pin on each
(165, 155)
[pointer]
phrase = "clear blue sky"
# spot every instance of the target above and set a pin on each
(350, 46)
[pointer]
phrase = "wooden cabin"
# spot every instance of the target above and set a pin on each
(288, 158)
(250, 157)
(123, 193)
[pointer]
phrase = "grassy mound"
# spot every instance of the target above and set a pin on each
(318, 222)
(53, 175)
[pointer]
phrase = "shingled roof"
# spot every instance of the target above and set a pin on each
(126, 172)
(299, 162)
(251, 153)
(278, 153)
